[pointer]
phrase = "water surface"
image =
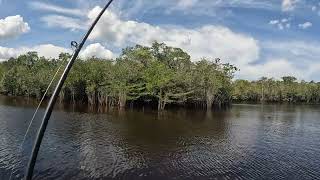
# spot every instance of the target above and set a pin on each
(244, 142)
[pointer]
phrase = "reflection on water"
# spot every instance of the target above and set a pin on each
(245, 142)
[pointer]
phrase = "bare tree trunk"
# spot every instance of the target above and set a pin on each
(161, 103)
(100, 99)
(122, 99)
(209, 100)
(262, 93)
(106, 100)
(61, 96)
(73, 95)
(91, 100)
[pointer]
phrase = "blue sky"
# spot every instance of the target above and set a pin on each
(262, 37)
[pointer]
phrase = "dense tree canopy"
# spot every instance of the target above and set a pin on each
(157, 75)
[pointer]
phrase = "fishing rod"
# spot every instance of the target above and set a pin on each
(53, 99)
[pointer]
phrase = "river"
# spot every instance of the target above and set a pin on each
(243, 142)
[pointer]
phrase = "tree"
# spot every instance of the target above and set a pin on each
(168, 75)
(157, 77)
(2, 72)
(262, 83)
(210, 78)
(289, 88)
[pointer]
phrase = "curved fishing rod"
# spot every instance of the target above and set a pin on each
(53, 99)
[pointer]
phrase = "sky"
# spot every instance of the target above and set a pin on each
(272, 38)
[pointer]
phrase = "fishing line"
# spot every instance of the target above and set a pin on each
(56, 92)
(34, 115)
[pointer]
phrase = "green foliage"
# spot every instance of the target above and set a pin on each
(212, 80)
(27, 75)
(160, 73)
(270, 90)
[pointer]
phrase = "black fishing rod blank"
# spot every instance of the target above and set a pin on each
(53, 99)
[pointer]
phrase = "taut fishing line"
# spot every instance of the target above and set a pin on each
(34, 115)
(53, 99)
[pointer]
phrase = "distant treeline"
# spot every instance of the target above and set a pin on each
(288, 89)
(155, 76)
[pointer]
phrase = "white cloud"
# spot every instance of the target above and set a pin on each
(13, 26)
(275, 68)
(96, 50)
(289, 5)
(316, 8)
(53, 51)
(296, 58)
(64, 22)
(305, 25)
(206, 41)
(299, 52)
(281, 24)
(58, 9)
(274, 22)
(184, 4)
(288, 26)
(46, 50)
(6, 53)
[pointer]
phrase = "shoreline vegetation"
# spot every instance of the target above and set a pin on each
(156, 76)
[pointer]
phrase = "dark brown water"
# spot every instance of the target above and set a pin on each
(244, 142)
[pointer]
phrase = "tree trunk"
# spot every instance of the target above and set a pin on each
(106, 101)
(160, 100)
(122, 99)
(61, 96)
(100, 99)
(159, 104)
(262, 93)
(209, 100)
(91, 99)
(162, 103)
(73, 95)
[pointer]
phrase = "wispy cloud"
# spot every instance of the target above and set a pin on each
(289, 5)
(301, 58)
(186, 3)
(193, 7)
(281, 24)
(64, 22)
(305, 25)
(54, 8)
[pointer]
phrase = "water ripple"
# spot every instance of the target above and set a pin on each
(247, 142)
